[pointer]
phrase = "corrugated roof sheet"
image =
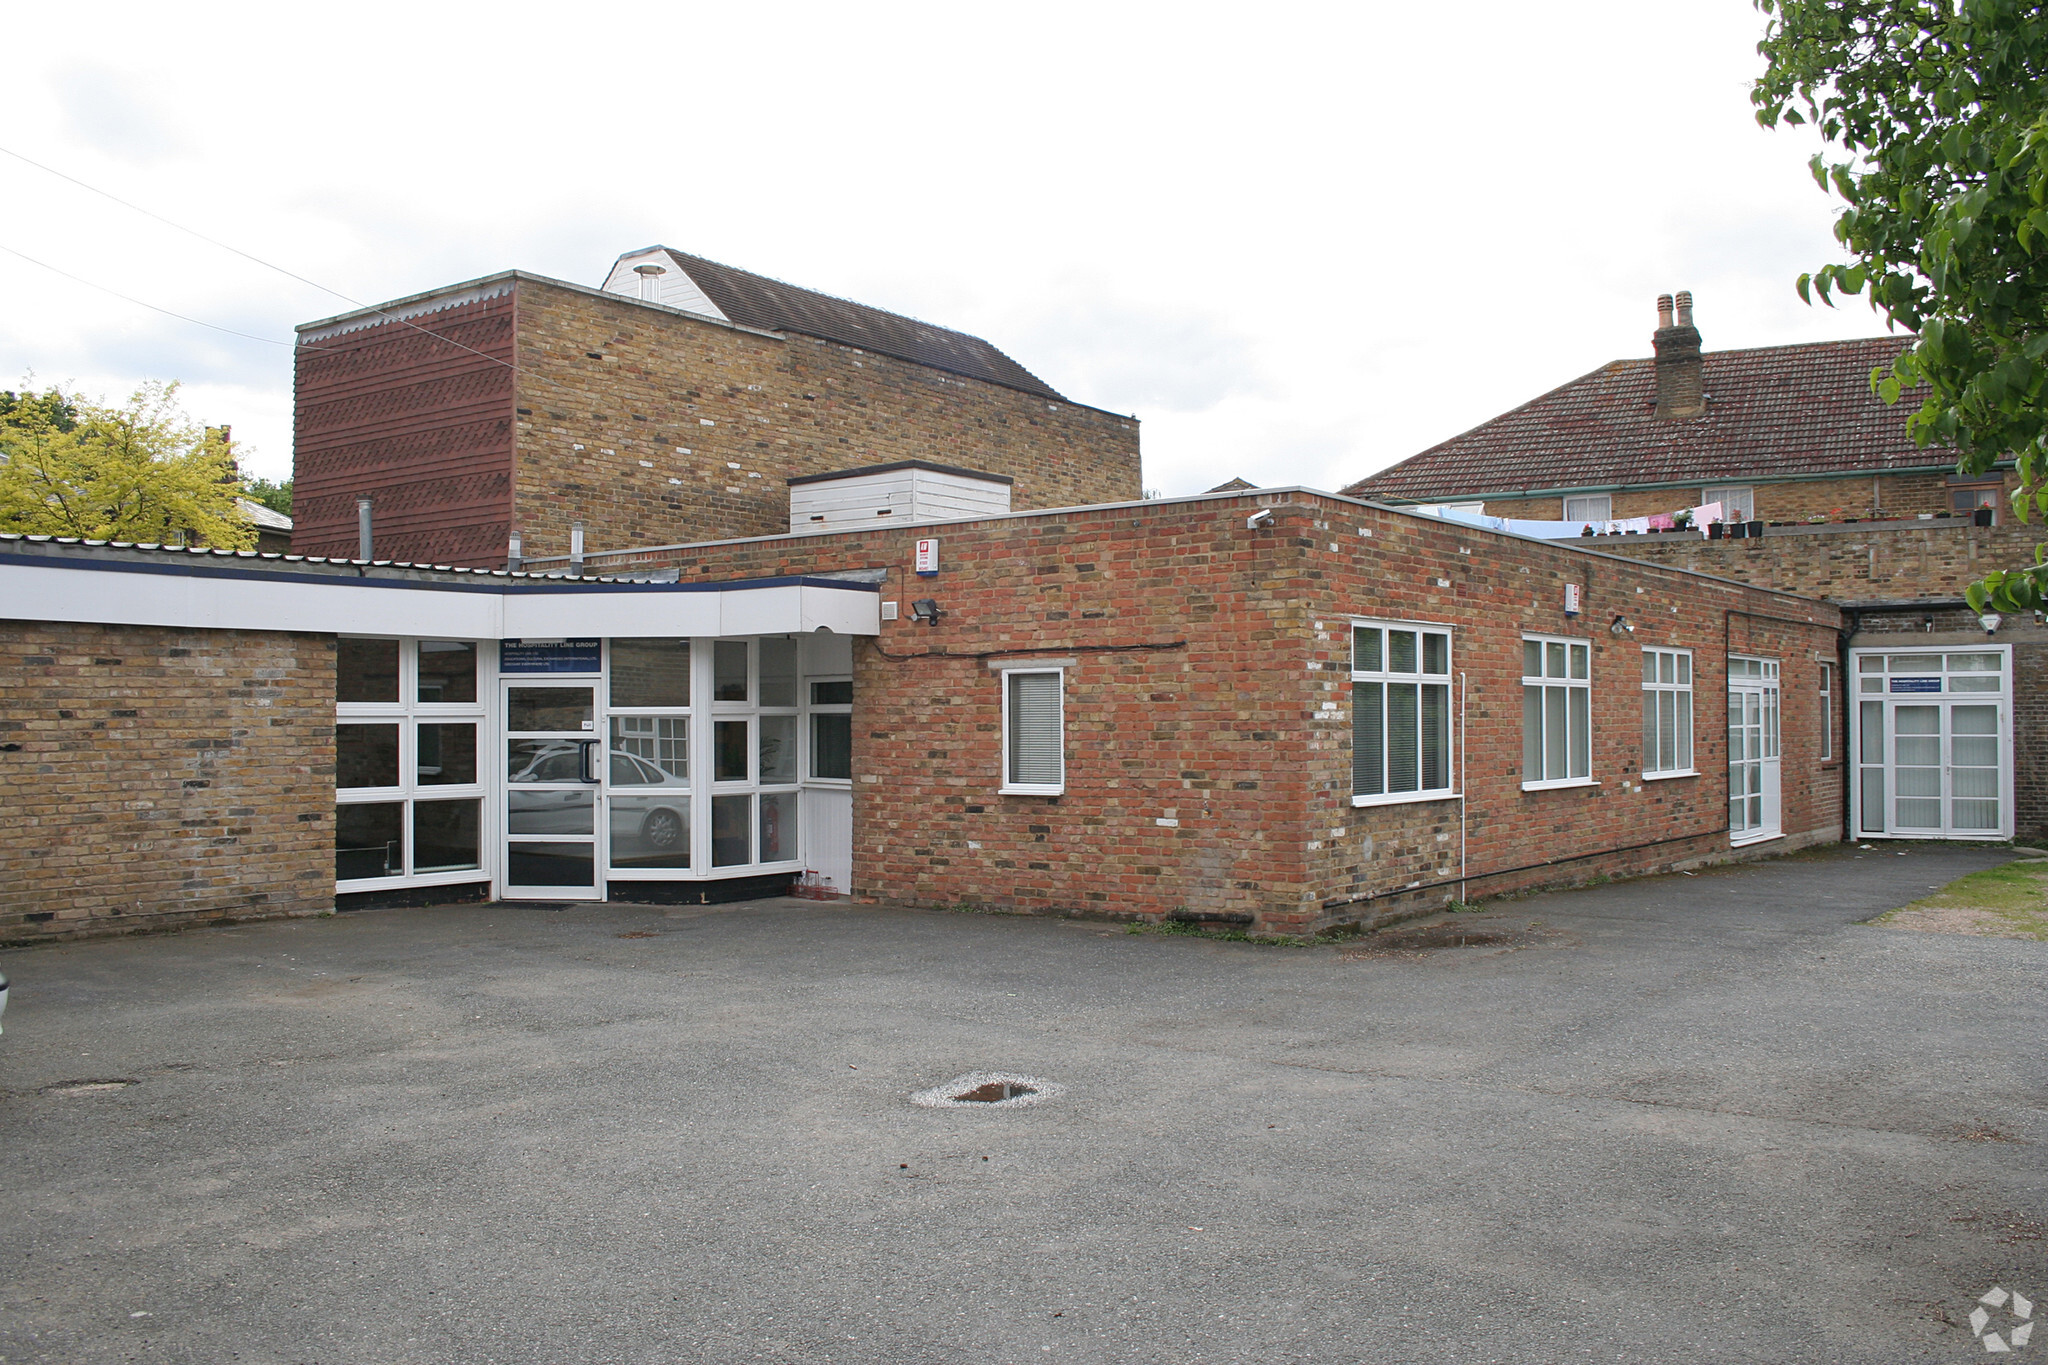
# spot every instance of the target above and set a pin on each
(1773, 412)
(758, 301)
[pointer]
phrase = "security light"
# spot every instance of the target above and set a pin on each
(926, 610)
(1622, 626)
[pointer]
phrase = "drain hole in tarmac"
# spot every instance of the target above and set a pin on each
(88, 1087)
(987, 1090)
(995, 1092)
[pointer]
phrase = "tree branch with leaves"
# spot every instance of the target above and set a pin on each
(142, 472)
(1937, 114)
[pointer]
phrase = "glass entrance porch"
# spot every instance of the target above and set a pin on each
(1933, 743)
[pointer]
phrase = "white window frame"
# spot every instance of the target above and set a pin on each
(1606, 514)
(1651, 690)
(1727, 491)
(1584, 684)
(1420, 679)
(1008, 787)
(408, 713)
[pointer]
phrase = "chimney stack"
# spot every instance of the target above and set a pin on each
(1681, 389)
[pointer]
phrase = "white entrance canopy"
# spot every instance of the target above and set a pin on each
(50, 580)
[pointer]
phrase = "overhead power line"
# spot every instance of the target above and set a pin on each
(139, 303)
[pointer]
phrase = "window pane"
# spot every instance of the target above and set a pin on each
(1649, 666)
(552, 812)
(1579, 656)
(729, 682)
(1873, 800)
(1556, 731)
(446, 754)
(1682, 758)
(447, 671)
(731, 830)
(832, 746)
(1582, 734)
(651, 830)
(1652, 761)
(1667, 731)
(1035, 739)
(1400, 651)
(1436, 737)
(778, 671)
(532, 710)
(544, 760)
(778, 826)
(778, 746)
(650, 751)
(1553, 661)
(1973, 663)
(729, 751)
(551, 864)
(366, 840)
(366, 670)
(1365, 649)
(1870, 732)
(650, 672)
(446, 835)
(1532, 734)
(1368, 739)
(1402, 733)
(366, 755)
(1532, 659)
(832, 693)
(1436, 653)
(1685, 669)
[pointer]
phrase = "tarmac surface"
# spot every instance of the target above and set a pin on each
(1691, 1118)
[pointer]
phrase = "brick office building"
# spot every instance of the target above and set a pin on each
(1826, 497)
(1279, 708)
(673, 403)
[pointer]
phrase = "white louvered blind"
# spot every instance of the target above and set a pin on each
(1035, 740)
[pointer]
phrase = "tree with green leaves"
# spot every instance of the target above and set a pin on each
(1937, 116)
(141, 472)
(276, 494)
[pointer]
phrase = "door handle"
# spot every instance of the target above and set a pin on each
(589, 761)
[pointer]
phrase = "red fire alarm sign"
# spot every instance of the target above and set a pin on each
(928, 558)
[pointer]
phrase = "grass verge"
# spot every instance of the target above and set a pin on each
(2008, 901)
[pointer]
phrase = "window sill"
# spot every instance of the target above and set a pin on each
(1559, 786)
(1032, 791)
(1406, 798)
(1745, 840)
(1661, 777)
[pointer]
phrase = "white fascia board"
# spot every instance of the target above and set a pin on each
(117, 594)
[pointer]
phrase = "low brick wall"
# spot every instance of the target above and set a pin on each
(155, 777)
(1846, 562)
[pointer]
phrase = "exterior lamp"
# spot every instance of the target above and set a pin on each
(1622, 626)
(926, 610)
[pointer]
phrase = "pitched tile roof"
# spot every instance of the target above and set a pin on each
(1772, 412)
(757, 301)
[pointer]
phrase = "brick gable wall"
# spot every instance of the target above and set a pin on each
(157, 777)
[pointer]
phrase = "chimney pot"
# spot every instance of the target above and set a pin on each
(1681, 384)
(1663, 310)
(1685, 308)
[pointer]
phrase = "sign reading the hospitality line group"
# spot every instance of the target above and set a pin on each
(549, 656)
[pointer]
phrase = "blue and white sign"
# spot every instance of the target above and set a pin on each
(550, 656)
(1916, 684)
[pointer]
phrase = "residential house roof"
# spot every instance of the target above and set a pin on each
(1773, 412)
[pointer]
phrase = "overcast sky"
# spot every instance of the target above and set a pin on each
(1300, 241)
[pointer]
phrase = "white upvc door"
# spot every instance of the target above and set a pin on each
(1933, 744)
(553, 788)
(1755, 807)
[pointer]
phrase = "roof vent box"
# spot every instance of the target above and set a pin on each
(904, 493)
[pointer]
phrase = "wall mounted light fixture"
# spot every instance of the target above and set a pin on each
(1258, 519)
(926, 610)
(1622, 626)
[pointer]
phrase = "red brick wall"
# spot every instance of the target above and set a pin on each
(156, 777)
(420, 426)
(1835, 499)
(1240, 732)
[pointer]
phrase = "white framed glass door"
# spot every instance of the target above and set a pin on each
(1933, 743)
(1755, 808)
(553, 780)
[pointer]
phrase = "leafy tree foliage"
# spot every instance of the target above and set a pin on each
(140, 472)
(274, 494)
(1938, 114)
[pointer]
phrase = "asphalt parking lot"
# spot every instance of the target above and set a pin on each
(1683, 1119)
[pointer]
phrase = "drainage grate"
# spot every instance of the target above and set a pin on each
(987, 1090)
